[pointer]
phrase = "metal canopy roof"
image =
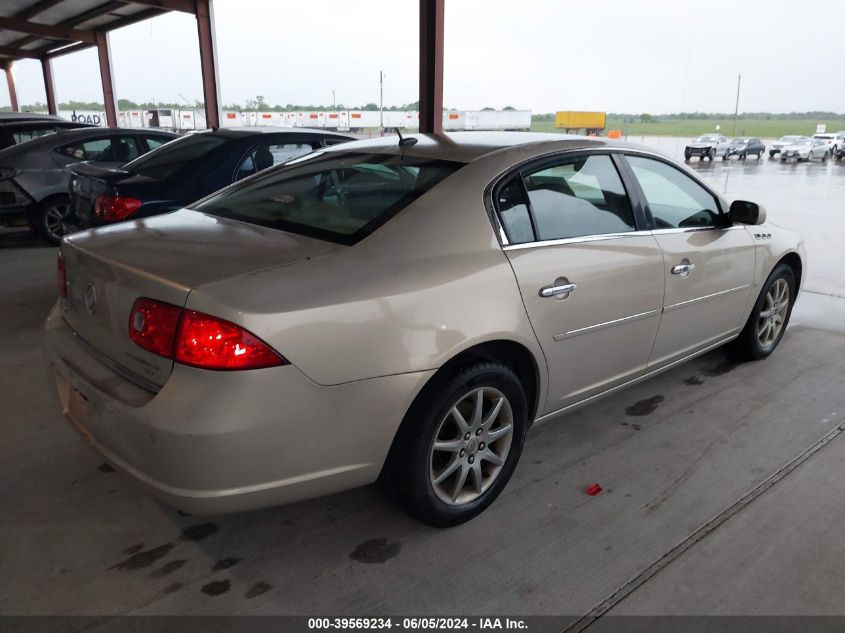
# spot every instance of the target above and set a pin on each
(38, 29)
(43, 29)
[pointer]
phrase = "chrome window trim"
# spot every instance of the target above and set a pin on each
(606, 324)
(499, 229)
(682, 304)
(575, 240)
(694, 229)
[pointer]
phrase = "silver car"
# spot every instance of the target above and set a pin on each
(707, 146)
(783, 141)
(807, 149)
(400, 310)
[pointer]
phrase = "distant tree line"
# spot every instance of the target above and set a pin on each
(719, 116)
(258, 104)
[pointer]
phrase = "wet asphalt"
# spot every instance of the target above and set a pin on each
(722, 485)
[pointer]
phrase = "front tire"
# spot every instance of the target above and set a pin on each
(769, 317)
(459, 444)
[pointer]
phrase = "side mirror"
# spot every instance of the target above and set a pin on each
(746, 212)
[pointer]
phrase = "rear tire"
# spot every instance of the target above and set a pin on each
(769, 317)
(447, 468)
(50, 218)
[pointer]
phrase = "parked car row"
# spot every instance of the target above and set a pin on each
(66, 177)
(820, 146)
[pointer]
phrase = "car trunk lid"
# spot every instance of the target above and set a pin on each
(163, 258)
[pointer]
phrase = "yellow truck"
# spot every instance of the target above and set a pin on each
(590, 122)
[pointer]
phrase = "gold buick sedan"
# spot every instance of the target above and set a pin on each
(401, 310)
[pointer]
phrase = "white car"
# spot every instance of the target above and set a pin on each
(829, 139)
(806, 150)
(838, 142)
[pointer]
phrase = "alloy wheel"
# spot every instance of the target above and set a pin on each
(773, 315)
(55, 220)
(471, 446)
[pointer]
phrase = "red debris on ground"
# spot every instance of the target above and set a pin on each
(593, 490)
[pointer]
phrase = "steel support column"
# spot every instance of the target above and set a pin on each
(10, 80)
(431, 66)
(107, 78)
(49, 86)
(208, 62)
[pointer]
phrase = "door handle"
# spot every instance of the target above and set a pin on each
(683, 269)
(558, 290)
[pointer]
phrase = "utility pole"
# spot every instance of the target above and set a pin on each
(334, 101)
(736, 109)
(381, 100)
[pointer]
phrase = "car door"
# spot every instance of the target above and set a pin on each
(591, 282)
(708, 265)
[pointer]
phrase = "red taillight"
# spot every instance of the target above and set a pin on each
(197, 339)
(152, 325)
(212, 343)
(61, 275)
(115, 208)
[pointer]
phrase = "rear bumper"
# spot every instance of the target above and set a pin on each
(216, 442)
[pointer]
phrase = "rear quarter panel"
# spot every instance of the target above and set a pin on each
(430, 283)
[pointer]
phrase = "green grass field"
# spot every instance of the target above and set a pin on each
(762, 128)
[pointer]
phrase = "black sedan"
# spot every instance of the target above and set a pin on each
(185, 170)
(742, 146)
(34, 176)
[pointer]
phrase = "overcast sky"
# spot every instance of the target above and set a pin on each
(655, 56)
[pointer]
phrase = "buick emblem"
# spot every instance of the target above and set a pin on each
(91, 299)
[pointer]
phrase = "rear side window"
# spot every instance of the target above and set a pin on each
(513, 213)
(265, 156)
(156, 141)
(172, 157)
(674, 199)
(577, 196)
(115, 149)
(340, 197)
(27, 134)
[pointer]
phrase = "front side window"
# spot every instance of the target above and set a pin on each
(337, 196)
(577, 197)
(674, 199)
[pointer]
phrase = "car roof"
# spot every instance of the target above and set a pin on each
(67, 136)
(465, 147)
(28, 116)
(30, 123)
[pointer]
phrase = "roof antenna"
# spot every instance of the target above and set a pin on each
(405, 141)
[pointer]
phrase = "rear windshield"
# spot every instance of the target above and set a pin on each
(168, 159)
(336, 196)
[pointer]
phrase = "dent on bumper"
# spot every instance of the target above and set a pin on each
(212, 442)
